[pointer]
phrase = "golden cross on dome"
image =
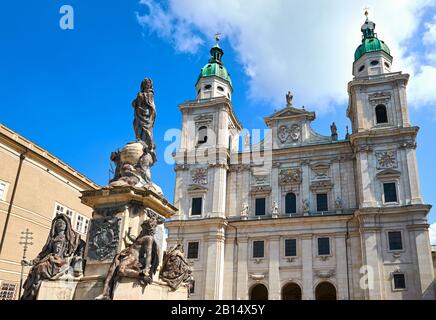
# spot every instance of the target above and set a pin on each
(217, 37)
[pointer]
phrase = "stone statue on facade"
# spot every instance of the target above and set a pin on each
(176, 269)
(275, 209)
(63, 252)
(338, 203)
(305, 205)
(334, 131)
(139, 260)
(289, 98)
(244, 211)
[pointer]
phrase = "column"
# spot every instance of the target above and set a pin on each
(372, 259)
(274, 290)
(424, 260)
(307, 259)
(242, 273)
(229, 266)
(219, 190)
(305, 192)
(412, 168)
(214, 267)
(341, 267)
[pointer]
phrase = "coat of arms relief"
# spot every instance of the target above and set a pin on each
(289, 133)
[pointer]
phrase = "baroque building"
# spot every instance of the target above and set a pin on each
(301, 215)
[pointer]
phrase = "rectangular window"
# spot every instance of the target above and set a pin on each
(192, 250)
(399, 281)
(260, 206)
(7, 290)
(197, 204)
(321, 202)
(82, 224)
(323, 246)
(59, 209)
(395, 240)
(69, 213)
(2, 190)
(258, 249)
(290, 248)
(390, 191)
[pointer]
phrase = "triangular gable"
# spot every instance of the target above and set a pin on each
(290, 112)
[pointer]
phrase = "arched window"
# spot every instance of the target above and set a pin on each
(325, 291)
(290, 203)
(291, 291)
(381, 114)
(202, 135)
(259, 292)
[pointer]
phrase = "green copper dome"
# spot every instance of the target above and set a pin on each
(215, 66)
(370, 41)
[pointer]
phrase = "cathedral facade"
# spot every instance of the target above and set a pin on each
(301, 215)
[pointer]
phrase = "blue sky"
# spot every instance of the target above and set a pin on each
(70, 91)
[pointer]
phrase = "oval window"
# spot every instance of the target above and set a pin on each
(220, 88)
(387, 65)
(374, 62)
(361, 68)
(207, 87)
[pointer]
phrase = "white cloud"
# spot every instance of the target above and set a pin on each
(432, 231)
(303, 46)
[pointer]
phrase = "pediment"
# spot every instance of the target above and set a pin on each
(388, 173)
(196, 188)
(290, 113)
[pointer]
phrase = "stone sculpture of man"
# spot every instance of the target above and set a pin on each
(176, 269)
(139, 260)
(63, 249)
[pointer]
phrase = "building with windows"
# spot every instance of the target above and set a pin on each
(34, 187)
(301, 215)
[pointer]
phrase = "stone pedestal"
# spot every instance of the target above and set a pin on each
(118, 213)
(57, 290)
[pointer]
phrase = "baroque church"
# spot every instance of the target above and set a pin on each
(301, 215)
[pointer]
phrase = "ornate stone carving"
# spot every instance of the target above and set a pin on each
(408, 145)
(379, 98)
(290, 175)
(176, 270)
(285, 133)
(322, 184)
(203, 120)
(199, 176)
(138, 261)
(386, 159)
(104, 235)
(62, 252)
(321, 171)
(364, 148)
(325, 274)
